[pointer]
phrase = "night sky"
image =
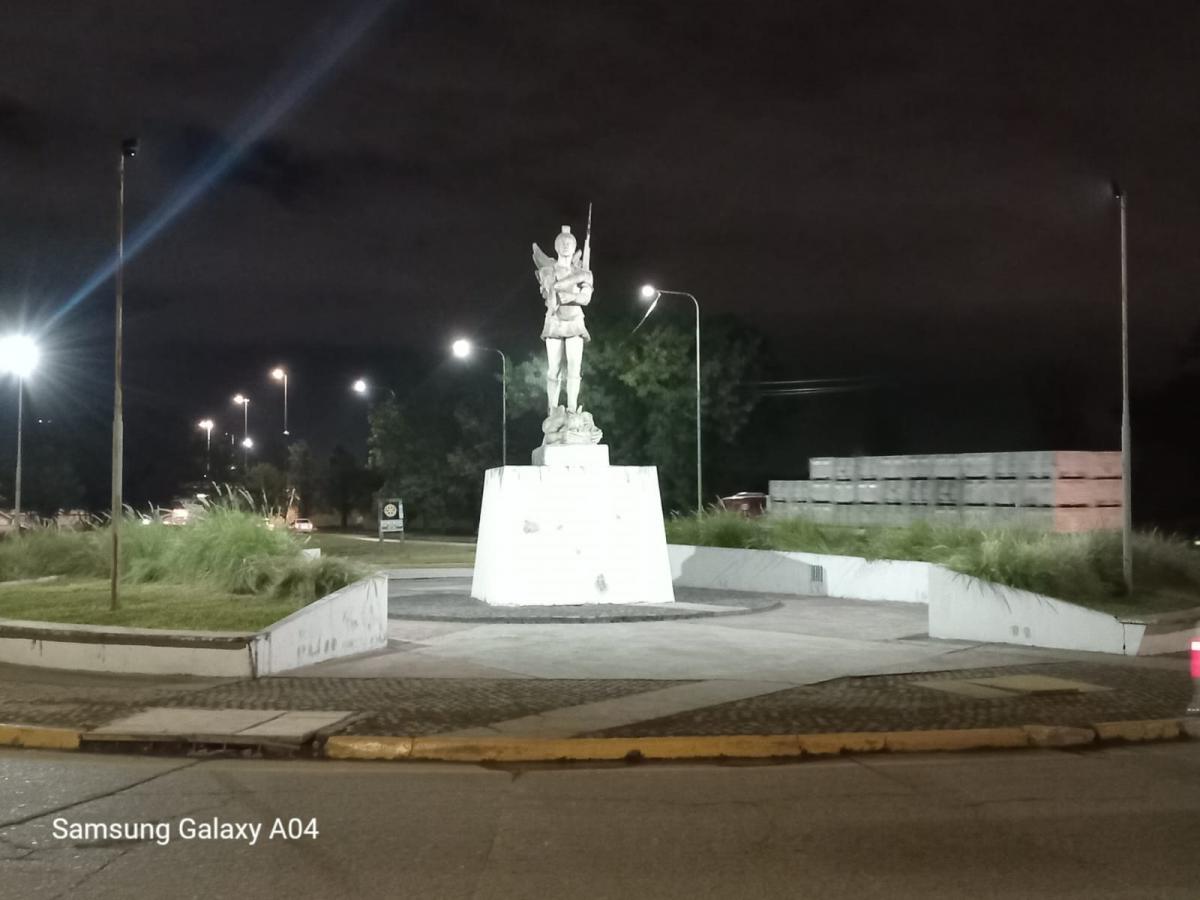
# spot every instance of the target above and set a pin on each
(915, 192)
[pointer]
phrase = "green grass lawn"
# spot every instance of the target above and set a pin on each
(191, 607)
(394, 553)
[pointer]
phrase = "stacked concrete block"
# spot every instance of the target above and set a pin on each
(1053, 490)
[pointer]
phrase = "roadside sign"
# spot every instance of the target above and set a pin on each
(391, 518)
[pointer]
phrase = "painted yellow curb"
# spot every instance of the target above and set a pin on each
(1059, 735)
(531, 749)
(956, 739)
(501, 749)
(37, 736)
(1139, 730)
(843, 742)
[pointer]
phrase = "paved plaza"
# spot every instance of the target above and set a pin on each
(798, 665)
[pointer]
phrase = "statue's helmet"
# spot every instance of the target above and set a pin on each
(564, 244)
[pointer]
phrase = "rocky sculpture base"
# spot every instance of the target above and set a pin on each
(564, 426)
(572, 530)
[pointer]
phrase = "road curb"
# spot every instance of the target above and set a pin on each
(502, 749)
(1140, 730)
(776, 746)
(38, 737)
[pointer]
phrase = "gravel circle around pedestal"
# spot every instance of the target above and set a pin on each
(441, 601)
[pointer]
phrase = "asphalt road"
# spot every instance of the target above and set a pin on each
(1124, 822)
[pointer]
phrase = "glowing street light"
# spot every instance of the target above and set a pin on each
(462, 348)
(19, 356)
(244, 402)
(280, 374)
(650, 293)
(360, 386)
(206, 425)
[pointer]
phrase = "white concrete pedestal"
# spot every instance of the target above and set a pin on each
(561, 534)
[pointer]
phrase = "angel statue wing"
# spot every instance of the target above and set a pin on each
(543, 268)
(540, 259)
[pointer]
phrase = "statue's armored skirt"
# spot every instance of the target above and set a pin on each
(565, 322)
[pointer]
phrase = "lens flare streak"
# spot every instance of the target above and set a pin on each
(284, 95)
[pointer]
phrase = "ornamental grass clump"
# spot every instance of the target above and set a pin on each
(227, 545)
(41, 552)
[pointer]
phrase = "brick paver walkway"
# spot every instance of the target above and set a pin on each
(898, 703)
(422, 706)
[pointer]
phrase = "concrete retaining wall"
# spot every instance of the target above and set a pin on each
(965, 608)
(960, 607)
(346, 622)
(765, 571)
(788, 572)
(143, 651)
(352, 620)
(897, 580)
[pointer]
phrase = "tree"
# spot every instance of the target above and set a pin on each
(435, 460)
(348, 484)
(267, 485)
(302, 475)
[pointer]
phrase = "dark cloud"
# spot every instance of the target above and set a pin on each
(275, 166)
(20, 126)
(889, 189)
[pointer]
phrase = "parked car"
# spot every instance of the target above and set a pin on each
(180, 515)
(750, 504)
(304, 525)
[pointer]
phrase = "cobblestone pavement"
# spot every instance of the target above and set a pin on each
(75, 700)
(899, 703)
(386, 705)
(414, 706)
(421, 706)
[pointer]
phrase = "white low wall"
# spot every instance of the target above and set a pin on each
(789, 572)
(143, 651)
(960, 607)
(346, 622)
(721, 568)
(896, 580)
(965, 608)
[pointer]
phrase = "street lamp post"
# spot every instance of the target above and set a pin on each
(462, 349)
(653, 294)
(129, 148)
(280, 374)
(18, 356)
(244, 402)
(206, 425)
(1126, 437)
